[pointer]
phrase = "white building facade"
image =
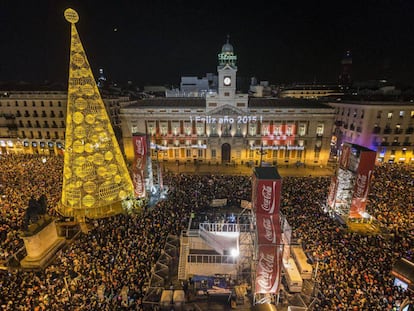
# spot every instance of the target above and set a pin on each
(226, 126)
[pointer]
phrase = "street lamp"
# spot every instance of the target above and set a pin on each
(261, 152)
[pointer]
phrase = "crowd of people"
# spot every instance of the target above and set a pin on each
(22, 178)
(355, 269)
(109, 267)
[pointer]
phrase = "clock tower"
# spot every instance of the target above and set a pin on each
(227, 70)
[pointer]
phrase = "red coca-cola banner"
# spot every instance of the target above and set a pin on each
(268, 269)
(266, 196)
(345, 156)
(268, 229)
(363, 179)
(139, 165)
(333, 188)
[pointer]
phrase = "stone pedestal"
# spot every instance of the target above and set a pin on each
(41, 241)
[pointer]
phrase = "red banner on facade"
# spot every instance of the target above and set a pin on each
(363, 179)
(139, 164)
(268, 269)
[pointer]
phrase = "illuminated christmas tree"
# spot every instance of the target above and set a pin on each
(95, 176)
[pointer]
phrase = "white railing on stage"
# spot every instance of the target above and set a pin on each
(212, 259)
(220, 227)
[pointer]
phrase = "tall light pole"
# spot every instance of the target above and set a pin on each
(262, 153)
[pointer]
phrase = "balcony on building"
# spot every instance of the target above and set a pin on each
(387, 130)
(376, 130)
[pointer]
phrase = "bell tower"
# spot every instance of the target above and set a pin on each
(227, 70)
(95, 175)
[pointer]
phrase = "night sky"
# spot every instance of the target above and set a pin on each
(157, 42)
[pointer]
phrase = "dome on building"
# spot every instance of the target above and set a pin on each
(227, 47)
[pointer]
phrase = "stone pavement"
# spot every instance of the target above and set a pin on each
(239, 169)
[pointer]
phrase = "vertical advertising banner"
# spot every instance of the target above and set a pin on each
(268, 229)
(345, 155)
(139, 165)
(266, 192)
(266, 199)
(361, 187)
(333, 188)
(268, 269)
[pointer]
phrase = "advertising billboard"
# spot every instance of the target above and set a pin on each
(268, 269)
(362, 181)
(139, 164)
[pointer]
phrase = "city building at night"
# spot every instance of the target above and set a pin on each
(34, 122)
(384, 126)
(226, 126)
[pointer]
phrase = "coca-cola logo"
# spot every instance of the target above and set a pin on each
(265, 271)
(361, 187)
(267, 198)
(269, 229)
(139, 184)
(139, 146)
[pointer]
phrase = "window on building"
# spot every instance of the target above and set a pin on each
(238, 130)
(200, 128)
(289, 131)
(176, 153)
(407, 140)
(389, 115)
(213, 129)
(187, 128)
(302, 130)
(319, 130)
(401, 113)
(252, 129)
(251, 153)
(200, 153)
(188, 152)
(362, 114)
(213, 153)
(379, 113)
(355, 113)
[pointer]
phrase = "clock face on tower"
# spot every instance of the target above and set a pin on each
(227, 80)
